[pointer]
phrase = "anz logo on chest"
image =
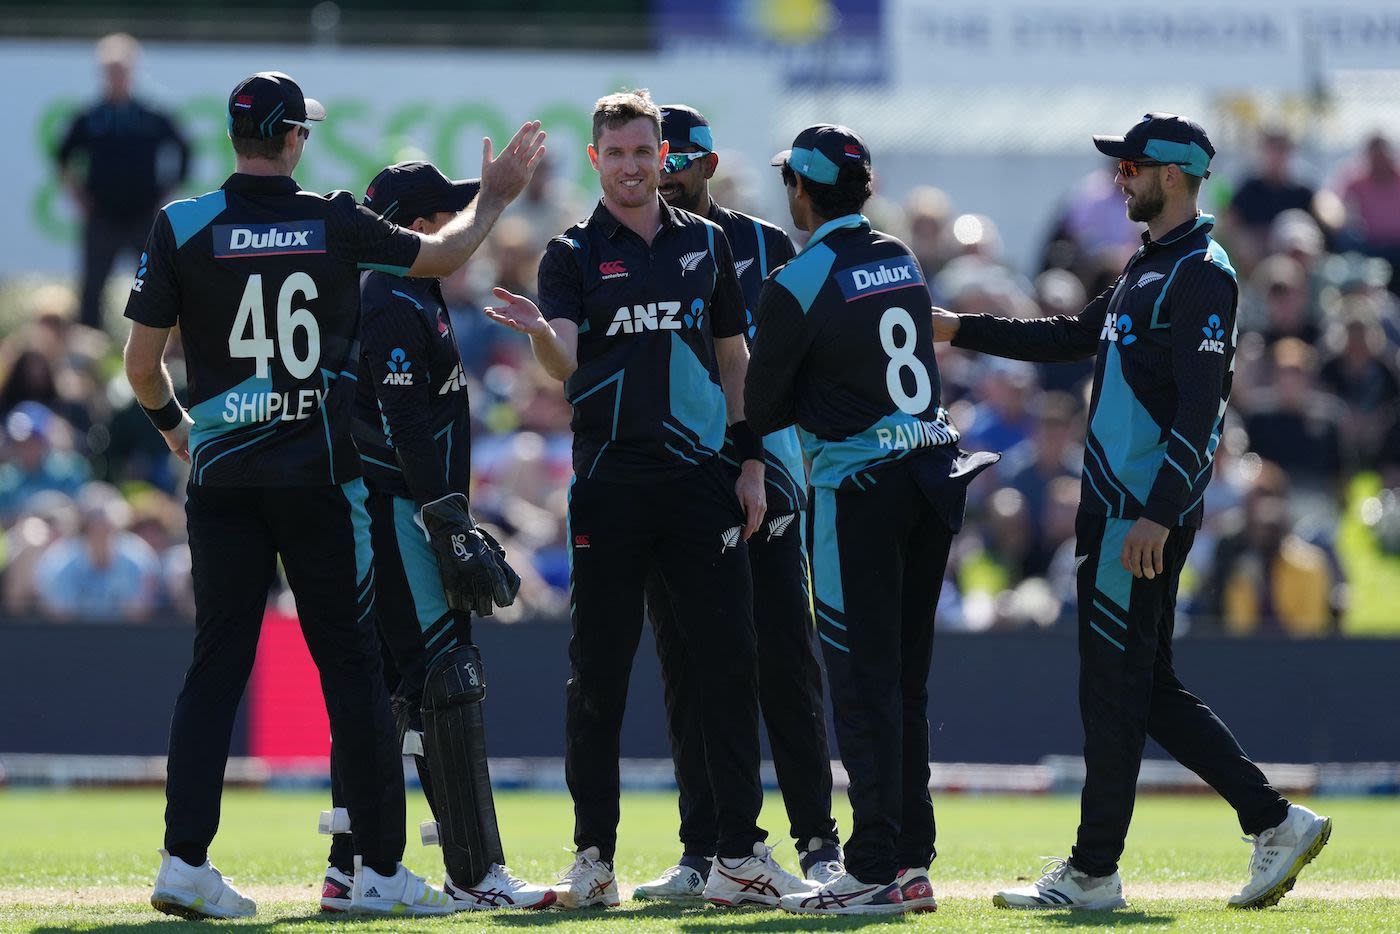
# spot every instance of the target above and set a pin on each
(656, 316)
(1118, 329)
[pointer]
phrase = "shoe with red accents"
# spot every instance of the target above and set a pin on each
(498, 889)
(847, 895)
(916, 889)
(753, 880)
(589, 881)
(335, 891)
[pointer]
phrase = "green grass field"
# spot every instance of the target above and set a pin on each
(84, 861)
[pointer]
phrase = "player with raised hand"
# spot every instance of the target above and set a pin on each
(263, 280)
(641, 316)
(844, 350)
(434, 568)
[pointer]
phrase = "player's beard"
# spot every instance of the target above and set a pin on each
(1148, 203)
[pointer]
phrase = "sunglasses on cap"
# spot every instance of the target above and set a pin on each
(680, 161)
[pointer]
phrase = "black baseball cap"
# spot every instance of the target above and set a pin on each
(274, 102)
(1165, 138)
(686, 126)
(820, 151)
(408, 190)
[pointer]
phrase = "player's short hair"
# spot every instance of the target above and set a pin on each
(847, 196)
(243, 131)
(616, 110)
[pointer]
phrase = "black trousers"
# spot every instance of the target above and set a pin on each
(103, 240)
(878, 557)
(1128, 690)
(322, 537)
(686, 530)
(415, 626)
(789, 692)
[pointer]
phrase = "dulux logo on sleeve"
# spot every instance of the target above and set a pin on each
(880, 276)
(286, 237)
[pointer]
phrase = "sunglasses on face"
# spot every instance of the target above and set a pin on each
(680, 161)
(1129, 169)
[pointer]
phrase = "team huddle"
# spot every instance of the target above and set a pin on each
(761, 465)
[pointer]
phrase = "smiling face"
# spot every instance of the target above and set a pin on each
(628, 159)
(686, 189)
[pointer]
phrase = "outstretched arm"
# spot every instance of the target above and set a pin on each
(555, 343)
(502, 180)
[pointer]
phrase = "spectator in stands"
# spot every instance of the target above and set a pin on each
(927, 211)
(1001, 416)
(1370, 190)
(1058, 292)
(1270, 189)
(1359, 371)
(120, 160)
(1092, 228)
(105, 573)
(1276, 582)
(38, 456)
(1295, 424)
(1279, 286)
(47, 517)
(1055, 449)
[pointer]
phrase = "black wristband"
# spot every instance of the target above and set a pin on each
(167, 416)
(748, 444)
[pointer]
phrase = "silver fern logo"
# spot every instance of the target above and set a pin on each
(741, 267)
(729, 538)
(778, 526)
(1148, 278)
(690, 261)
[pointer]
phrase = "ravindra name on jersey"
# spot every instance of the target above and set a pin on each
(263, 280)
(845, 350)
(647, 400)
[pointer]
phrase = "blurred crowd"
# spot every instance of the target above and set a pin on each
(91, 503)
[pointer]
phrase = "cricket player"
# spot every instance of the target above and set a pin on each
(642, 317)
(844, 351)
(789, 680)
(413, 431)
(1164, 341)
(263, 280)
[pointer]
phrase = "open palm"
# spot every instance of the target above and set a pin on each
(516, 312)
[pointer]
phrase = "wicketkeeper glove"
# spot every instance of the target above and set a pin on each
(473, 565)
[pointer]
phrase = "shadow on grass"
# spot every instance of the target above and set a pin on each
(1123, 917)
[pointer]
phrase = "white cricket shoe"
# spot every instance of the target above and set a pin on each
(498, 889)
(1063, 886)
(335, 890)
(589, 881)
(196, 892)
(847, 895)
(403, 893)
(752, 880)
(1280, 853)
(916, 889)
(679, 883)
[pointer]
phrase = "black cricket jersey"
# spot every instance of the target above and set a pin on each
(759, 248)
(263, 280)
(1164, 336)
(646, 395)
(844, 349)
(412, 417)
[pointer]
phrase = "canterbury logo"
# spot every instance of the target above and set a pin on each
(778, 526)
(613, 269)
(742, 266)
(1148, 278)
(691, 260)
(729, 539)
